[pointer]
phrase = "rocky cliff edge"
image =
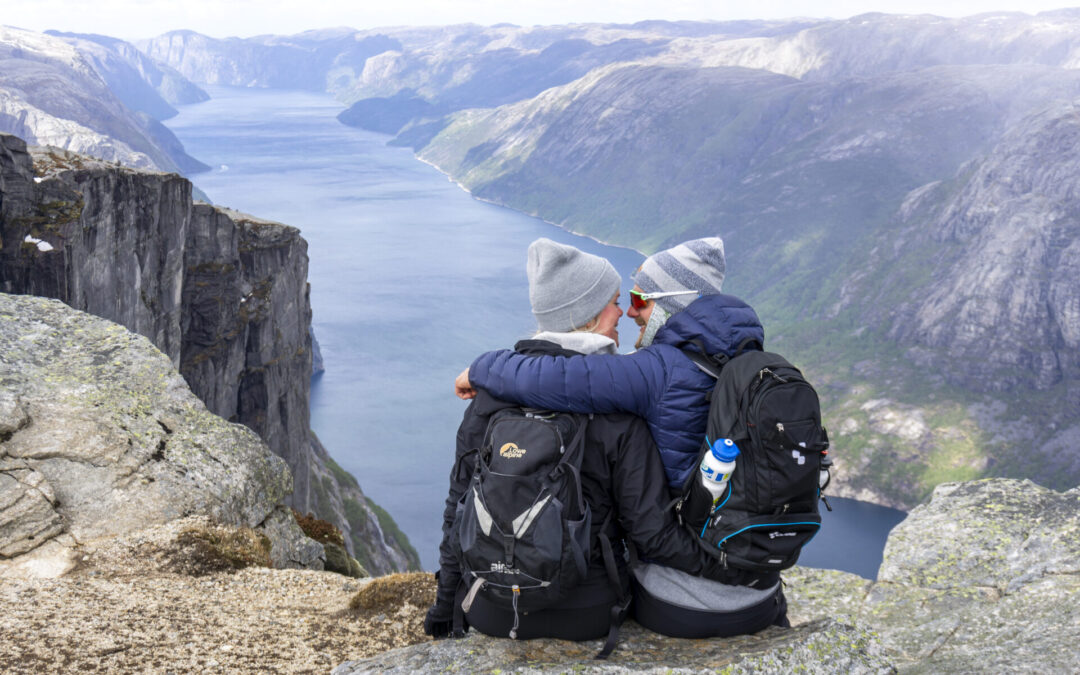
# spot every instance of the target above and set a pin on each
(100, 436)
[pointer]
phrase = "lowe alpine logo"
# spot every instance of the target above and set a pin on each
(504, 568)
(774, 535)
(511, 451)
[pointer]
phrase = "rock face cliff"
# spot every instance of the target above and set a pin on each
(1008, 242)
(222, 294)
(100, 436)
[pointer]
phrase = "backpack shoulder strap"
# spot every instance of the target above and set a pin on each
(708, 366)
(712, 364)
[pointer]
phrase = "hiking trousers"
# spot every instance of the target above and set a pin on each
(684, 622)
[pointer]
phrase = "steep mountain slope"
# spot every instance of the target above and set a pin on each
(1006, 242)
(971, 295)
(50, 94)
(755, 155)
(140, 82)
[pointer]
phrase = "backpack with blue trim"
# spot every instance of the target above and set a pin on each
(769, 509)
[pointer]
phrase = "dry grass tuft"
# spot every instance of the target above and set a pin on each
(319, 530)
(386, 594)
(202, 550)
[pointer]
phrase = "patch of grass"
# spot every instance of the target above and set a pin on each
(319, 530)
(386, 594)
(217, 548)
(956, 457)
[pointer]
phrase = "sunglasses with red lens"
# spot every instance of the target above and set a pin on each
(639, 300)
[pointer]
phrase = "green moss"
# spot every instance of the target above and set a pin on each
(48, 217)
(355, 513)
(343, 477)
(360, 550)
(323, 495)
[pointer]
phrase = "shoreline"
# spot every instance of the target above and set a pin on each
(561, 226)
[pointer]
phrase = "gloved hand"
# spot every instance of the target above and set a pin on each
(439, 622)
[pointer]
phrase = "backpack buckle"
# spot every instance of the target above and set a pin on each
(508, 549)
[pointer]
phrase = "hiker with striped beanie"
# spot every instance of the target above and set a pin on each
(678, 304)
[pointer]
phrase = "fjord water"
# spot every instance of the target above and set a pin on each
(411, 278)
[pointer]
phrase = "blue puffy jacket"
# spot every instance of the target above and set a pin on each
(658, 383)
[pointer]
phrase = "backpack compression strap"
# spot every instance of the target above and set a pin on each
(622, 605)
(459, 611)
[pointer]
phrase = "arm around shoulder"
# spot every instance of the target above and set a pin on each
(595, 383)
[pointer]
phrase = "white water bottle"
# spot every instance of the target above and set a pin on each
(717, 466)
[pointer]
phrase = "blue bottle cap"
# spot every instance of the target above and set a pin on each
(725, 450)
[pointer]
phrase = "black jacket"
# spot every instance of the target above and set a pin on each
(621, 471)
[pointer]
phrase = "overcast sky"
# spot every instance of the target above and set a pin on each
(221, 18)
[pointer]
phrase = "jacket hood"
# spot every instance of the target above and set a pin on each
(720, 322)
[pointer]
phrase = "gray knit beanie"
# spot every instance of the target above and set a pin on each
(696, 265)
(568, 287)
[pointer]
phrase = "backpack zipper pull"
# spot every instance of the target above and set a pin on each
(513, 631)
(765, 371)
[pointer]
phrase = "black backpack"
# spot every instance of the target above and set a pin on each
(769, 509)
(522, 528)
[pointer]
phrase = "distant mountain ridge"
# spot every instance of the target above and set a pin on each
(141, 83)
(74, 94)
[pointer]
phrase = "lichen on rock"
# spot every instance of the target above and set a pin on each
(102, 436)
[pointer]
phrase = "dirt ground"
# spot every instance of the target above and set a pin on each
(148, 604)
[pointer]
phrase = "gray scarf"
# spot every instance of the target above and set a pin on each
(658, 318)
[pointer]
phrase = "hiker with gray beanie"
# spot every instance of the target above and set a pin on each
(678, 304)
(574, 298)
